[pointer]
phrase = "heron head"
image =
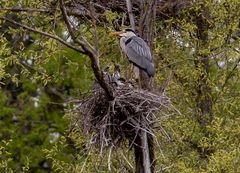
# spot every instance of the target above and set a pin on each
(126, 33)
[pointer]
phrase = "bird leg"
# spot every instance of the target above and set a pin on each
(129, 72)
(137, 75)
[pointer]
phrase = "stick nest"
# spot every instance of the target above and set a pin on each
(112, 122)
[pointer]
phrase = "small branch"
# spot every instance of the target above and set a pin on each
(128, 162)
(85, 161)
(95, 32)
(109, 158)
(43, 33)
(75, 12)
(25, 9)
(231, 73)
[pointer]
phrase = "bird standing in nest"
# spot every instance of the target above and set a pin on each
(137, 51)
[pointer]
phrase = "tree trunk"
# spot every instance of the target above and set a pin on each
(138, 151)
(203, 99)
(144, 148)
(203, 89)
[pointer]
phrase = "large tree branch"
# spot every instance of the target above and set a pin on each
(89, 51)
(83, 43)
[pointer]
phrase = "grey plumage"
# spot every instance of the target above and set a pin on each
(137, 51)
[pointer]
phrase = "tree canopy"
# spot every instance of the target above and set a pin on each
(53, 52)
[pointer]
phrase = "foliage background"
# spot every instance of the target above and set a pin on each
(38, 76)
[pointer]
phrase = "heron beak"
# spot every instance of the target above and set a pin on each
(116, 33)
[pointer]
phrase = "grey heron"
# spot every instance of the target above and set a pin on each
(137, 50)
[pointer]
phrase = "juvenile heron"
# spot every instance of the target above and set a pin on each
(116, 76)
(137, 51)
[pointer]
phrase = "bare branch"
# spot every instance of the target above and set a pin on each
(55, 37)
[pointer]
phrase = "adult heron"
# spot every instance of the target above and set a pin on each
(137, 51)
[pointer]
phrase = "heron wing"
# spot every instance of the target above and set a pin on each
(139, 53)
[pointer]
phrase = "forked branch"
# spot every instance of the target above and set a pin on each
(86, 46)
